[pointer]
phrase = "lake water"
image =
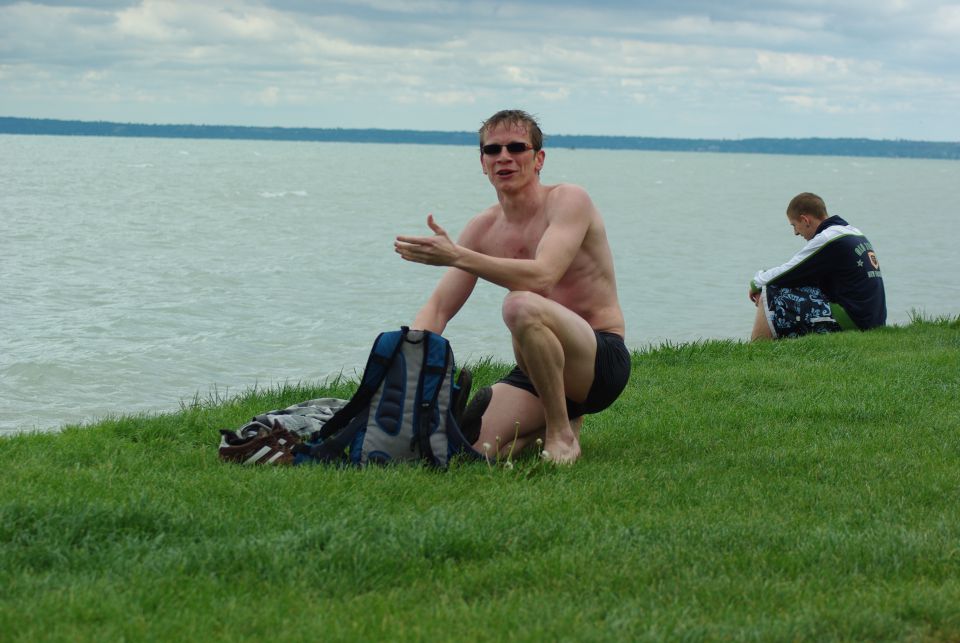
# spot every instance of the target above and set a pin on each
(136, 273)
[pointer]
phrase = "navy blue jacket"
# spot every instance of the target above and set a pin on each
(842, 263)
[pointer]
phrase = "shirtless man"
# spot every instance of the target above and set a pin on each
(547, 245)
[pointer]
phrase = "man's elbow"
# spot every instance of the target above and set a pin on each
(542, 284)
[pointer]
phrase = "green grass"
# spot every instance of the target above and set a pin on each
(797, 490)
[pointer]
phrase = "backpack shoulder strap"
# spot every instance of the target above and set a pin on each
(436, 359)
(384, 350)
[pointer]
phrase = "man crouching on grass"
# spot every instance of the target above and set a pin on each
(547, 245)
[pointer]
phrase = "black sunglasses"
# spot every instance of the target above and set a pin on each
(516, 147)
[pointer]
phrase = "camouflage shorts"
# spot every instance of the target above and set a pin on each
(792, 312)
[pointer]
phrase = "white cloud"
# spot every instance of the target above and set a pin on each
(947, 20)
(268, 96)
(790, 66)
(518, 76)
(168, 21)
(554, 95)
(812, 103)
(450, 98)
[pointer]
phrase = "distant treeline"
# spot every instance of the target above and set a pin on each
(807, 146)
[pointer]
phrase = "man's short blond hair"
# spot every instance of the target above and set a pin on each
(516, 117)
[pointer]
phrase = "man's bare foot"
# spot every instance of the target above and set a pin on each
(560, 450)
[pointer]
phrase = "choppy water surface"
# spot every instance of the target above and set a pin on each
(136, 273)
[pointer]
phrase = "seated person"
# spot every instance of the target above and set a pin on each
(832, 284)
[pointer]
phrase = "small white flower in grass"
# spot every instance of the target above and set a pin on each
(544, 454)
(486, 447)
(508, 465)
(516, 435)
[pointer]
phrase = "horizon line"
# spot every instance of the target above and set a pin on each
(471, 133)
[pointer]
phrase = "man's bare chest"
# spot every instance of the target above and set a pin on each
(515, 241)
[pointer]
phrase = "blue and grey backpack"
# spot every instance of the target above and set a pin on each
(404, 408)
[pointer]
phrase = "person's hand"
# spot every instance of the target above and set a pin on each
(437, 250)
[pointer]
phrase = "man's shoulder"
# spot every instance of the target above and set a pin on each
(838, 226)
(566, 190)
(568, 197)
(837, 231)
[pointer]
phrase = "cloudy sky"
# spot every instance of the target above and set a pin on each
(881, 69)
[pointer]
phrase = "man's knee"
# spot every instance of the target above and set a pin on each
(521, 308)
(761, 326)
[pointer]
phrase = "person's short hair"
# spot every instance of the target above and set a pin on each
(513, 117)
(807, 203)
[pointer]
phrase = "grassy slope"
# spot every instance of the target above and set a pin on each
(802, 489)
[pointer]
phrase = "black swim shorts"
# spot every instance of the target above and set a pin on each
(611, 371)
(792, 312)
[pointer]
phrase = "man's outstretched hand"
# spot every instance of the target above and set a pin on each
(437, 250)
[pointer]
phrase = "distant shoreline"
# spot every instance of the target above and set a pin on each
(861, 147)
